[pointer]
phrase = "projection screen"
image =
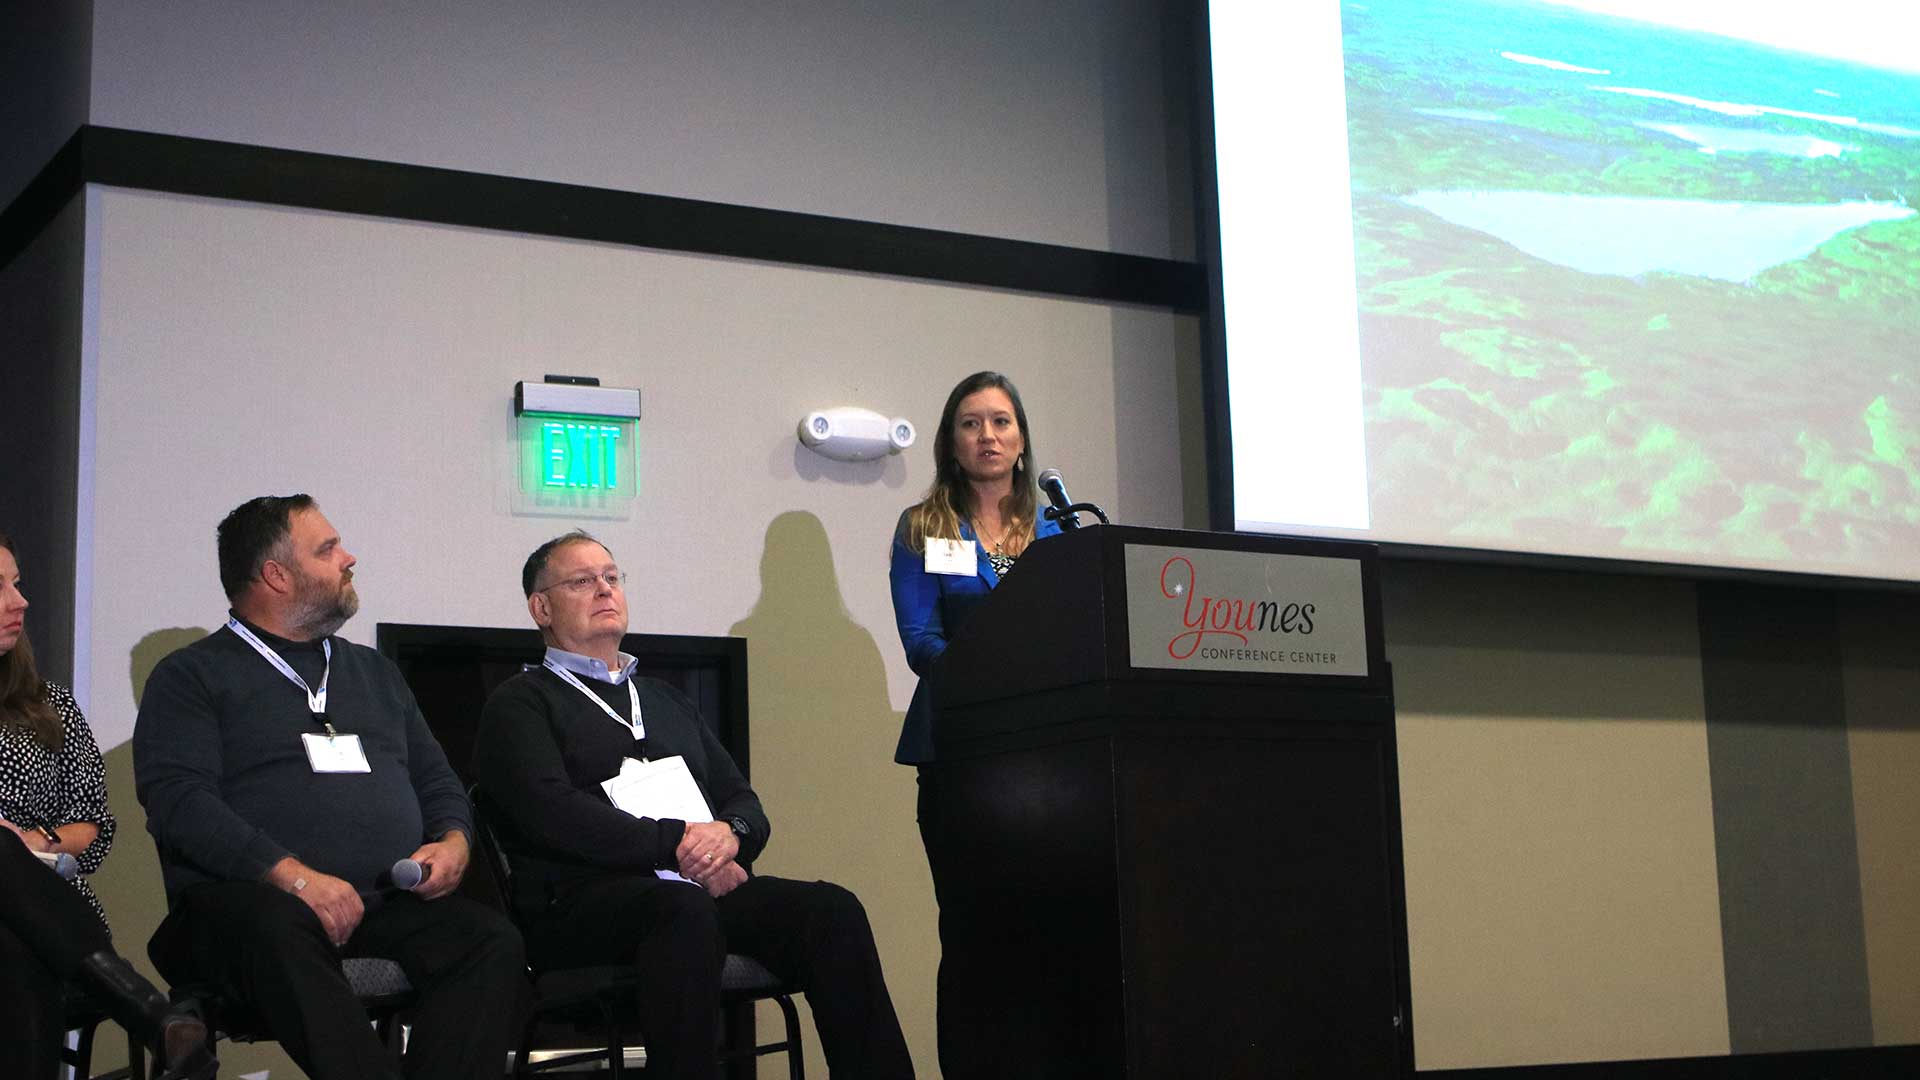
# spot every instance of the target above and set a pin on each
(1614, 279)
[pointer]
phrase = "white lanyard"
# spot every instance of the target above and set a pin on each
(316, 699)
(639, 729)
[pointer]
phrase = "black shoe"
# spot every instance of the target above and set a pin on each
(186, 1047)
(179, 1038)
(187, 1051)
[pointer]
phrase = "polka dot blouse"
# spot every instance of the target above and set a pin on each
(60, 787)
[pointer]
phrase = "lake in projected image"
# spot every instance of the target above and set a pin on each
(1634, 289)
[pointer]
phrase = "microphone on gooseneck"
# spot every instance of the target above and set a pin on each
(1055, 489)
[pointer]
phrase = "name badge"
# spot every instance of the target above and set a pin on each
(958, 557)
(336, 753)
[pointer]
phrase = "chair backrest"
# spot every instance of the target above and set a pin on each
(499, 866)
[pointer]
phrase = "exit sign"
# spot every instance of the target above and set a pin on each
(583, 455)
(577, 462)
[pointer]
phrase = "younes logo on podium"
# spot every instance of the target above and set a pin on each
(1201, 609)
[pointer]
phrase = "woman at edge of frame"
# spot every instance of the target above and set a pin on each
(949, 552)
(53, 933)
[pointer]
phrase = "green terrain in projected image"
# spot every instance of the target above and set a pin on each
(1630, 286)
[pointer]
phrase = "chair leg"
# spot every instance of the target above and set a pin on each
(796, 1061)
(81, 1055)
(390, 1032)
(616, 1045)
(521, 1069)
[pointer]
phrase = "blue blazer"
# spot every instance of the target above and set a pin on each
(929, 609)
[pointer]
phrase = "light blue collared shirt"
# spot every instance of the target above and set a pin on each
(591, 668)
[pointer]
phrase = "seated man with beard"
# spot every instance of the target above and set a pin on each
(284, 771)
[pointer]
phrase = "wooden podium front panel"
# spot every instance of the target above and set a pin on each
(1257, 908)
(1150, 901)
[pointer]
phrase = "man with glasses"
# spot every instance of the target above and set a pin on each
(597, 884)
(285, 772)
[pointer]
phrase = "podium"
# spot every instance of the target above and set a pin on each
(1165, 820)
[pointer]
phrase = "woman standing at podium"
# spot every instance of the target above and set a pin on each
(949, 551)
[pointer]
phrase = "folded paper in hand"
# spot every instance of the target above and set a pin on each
(658, 789)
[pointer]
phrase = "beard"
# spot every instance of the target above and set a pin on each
(318, 609)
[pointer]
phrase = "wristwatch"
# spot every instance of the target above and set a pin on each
(48, 831)
(740, 827)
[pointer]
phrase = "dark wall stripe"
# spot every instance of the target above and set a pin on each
(1877, 1063)
(186, 166)
(1790, 914)
(57, 182)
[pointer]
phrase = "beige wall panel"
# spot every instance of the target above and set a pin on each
(244, 350)
(1561, 887)
(1880, 666)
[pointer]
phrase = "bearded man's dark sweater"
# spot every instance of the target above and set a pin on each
(220, 766)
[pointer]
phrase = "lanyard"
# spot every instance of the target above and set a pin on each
(316, 699)
(633, 695)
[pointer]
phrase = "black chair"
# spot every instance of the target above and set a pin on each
(82, 1018)
(606, 993)
(381, 985)
(744, 981)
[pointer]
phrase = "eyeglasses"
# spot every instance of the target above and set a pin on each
(614, 579)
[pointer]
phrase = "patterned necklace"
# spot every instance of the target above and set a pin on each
(998, 547)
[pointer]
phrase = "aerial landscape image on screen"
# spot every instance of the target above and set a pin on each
(1636, 287)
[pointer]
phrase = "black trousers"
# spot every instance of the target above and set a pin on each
(46, 929)
(994, 1017)
(965, 1041)
(267, 949)
(812, 934)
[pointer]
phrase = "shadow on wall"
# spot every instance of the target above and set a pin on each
(823, 732)
(889, 470)
(129, 881)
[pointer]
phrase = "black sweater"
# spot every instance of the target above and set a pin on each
(541, 755)
(220, 767)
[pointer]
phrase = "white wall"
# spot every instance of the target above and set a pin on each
(245, 350)
(1044, 122)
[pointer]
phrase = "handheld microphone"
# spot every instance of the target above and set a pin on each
(1056, 492)
(406, 875)
(60, 863)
